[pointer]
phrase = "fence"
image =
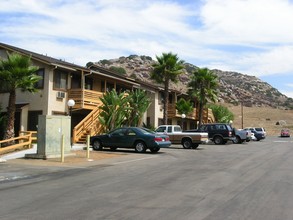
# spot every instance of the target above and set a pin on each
(24, 141)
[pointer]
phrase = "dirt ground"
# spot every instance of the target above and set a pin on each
(269, 118)
(76, 157)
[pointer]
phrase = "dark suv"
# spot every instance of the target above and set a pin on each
(219, 133)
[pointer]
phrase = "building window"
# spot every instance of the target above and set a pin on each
(102, 86)
(170, 98)
(110, 87)
(148, 122)
(60, 80)
(40, 83)
(89, 83)
(161, 98)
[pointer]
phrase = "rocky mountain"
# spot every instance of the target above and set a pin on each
(234, 87)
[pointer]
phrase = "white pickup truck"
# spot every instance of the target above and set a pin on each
(187, 139)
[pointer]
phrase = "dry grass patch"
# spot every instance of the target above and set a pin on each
(263, 117)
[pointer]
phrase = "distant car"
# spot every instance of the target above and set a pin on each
(262, 130)
(285, 132)
(140, 139)
(258, 135)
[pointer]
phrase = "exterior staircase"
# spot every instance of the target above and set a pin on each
(88, 126)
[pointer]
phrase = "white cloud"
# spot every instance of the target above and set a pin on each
(251, 36)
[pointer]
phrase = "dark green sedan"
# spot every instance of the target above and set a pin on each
(140, 139)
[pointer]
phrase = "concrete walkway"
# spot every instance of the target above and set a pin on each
(33, 150)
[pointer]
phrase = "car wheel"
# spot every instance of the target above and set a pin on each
(140, 147)
(97, 145)
(218, 140)
(237, 140)
(186, 143)
(155, 150)
(113, 148)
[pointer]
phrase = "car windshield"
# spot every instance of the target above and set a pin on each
(229, 128)
(258, 129)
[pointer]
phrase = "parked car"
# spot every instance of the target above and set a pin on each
(258, 135)
(258, 129)
(242, 136)
(140, 139)
(219, 133)
(262, 130)
(285, 132)
(187, 139)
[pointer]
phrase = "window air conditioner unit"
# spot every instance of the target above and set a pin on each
(60, 95)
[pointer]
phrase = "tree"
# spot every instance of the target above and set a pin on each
(114, 110)
(138, 104)
(184, 107)
(123, 109)
(221, 113)
(167, 69)
(17, 72)
(203, 87)
(119, 70)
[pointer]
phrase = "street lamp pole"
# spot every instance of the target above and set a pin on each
(70, 104)
(183, 116)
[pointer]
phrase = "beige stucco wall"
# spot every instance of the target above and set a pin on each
(155, 110)
(54, 103)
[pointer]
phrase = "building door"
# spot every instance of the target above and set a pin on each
(33, 120)
(17, 123)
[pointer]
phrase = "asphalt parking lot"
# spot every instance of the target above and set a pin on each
(214, 182)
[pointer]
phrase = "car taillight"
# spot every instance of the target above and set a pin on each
(158, 139)
(230, 133)
(167, 139)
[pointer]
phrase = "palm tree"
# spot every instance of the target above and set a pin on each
(139, 104)
(114, 110)
(165, 70)
(184, 107)
(17, 72)
(221, 113)
(203, 87)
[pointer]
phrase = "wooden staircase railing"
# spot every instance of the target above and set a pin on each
(88, 126)
(24, 141)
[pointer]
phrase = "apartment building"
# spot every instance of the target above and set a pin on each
(63, 81)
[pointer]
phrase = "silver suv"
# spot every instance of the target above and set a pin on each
(262, 130)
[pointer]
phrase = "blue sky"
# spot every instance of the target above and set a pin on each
(252, 37)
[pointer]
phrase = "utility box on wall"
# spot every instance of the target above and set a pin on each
(50, 131)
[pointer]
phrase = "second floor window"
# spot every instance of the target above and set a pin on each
(40, 83)
(60, 80)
